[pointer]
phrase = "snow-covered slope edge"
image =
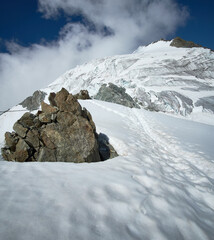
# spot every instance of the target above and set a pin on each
(160, 77)
(161, 174)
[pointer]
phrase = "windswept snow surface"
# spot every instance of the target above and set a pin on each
(160, 187)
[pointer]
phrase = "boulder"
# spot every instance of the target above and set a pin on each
(83, 95)
(27, 120)
(20, 130)
(47, 108)
(51, 99)
(22, 152)
(11, 140)
(61, 132)
(113, 93)
(32, 138)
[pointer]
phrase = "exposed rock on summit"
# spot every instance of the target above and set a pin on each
(181, 43)
(62, 131)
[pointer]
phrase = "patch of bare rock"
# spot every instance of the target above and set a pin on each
(60, 132)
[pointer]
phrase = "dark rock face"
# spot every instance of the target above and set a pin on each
(115, 94)
(33, 102)
(62, 131)
(181, 43)
(105, 148)
(83, 94)
(207, 103)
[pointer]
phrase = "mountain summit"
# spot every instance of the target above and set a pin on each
(169, 76)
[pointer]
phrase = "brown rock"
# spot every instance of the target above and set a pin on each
(27, 120)
(66, 134)
(66, 118)
(33, 138)
(61, 98)
(48, 134)
(51, 99)
(78, 143)
(83, 94)
(46, 155)
(72, 105)
(22, 151)
(37, 123)
(45, 117)
(7, 154)
(86, 114)
(47, 108)
(20, 130)
(11, 140)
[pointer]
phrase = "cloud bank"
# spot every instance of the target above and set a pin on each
(108, 27)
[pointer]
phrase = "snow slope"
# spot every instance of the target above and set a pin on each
(160, 77)
(160, 187)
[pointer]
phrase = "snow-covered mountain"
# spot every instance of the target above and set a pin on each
(162, 184)
(159, 76)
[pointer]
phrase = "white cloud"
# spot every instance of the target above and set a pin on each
(133, 22)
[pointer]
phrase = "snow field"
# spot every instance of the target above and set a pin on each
(160, 187)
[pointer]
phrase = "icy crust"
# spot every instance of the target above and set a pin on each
(167, 75)
(161, 186)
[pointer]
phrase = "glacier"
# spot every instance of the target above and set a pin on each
(158, 76)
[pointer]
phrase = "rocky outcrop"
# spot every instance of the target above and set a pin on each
(181, 43)
(61, 131)
(115, 94)
(33, 102)
(83, 95)
(207, 103)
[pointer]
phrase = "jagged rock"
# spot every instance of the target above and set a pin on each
(20, 130)
(11, 140)
(51, 99)
(115, 94)
(46, 155)
(61, 98)
(181, 43)
(45, 118)
(27, 120)
(83, 95)
(37, 122)
(7, 154)
(66, 118)
(64, 133)
(86, 114)
(22, 152)
(33, 138)
(47, 108)
(33, 102)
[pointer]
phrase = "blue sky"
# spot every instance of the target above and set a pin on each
(20, 21)
(200, 25)
(41, 39)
